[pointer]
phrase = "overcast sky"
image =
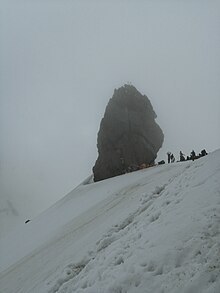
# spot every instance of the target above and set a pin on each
(60, 62)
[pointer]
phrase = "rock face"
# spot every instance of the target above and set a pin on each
(128, 134)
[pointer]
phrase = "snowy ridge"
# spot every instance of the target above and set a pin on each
(156, 230)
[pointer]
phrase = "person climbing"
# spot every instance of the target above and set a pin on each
(172, 158)
(168, 155)
(182, 157)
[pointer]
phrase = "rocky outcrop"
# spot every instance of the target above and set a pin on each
(128, 135)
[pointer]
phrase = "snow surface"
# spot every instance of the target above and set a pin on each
(156, 230)
(9, 215)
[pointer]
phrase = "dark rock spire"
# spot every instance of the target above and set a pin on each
(128, 134)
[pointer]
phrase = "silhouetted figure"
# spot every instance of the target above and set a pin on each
(172, 158)
(193, 155)
(182, 157)
(204, 153)
(187, 158)
(168, 155)
(161, 162)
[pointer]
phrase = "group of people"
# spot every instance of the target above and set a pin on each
(171, 159)
(183, 157)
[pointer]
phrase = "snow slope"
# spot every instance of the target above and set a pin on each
(155, 230)
(9, 215)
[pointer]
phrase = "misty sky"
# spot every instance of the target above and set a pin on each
(60, 62)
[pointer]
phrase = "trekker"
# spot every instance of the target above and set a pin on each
(168, 155)
(193, 155)
(172, 158)
(204, 153)
(182, 157)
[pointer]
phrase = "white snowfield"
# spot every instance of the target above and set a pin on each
(9, 216)
(152, 231)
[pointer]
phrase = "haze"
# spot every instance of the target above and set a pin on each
(60, 62)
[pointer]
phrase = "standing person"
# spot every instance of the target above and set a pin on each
(172, 158)
(168, 155)
(204, 153)
(182, 158)
(193, 155)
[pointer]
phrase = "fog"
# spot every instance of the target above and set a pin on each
(60, 63)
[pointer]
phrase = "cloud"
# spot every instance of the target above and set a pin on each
(60, 62)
